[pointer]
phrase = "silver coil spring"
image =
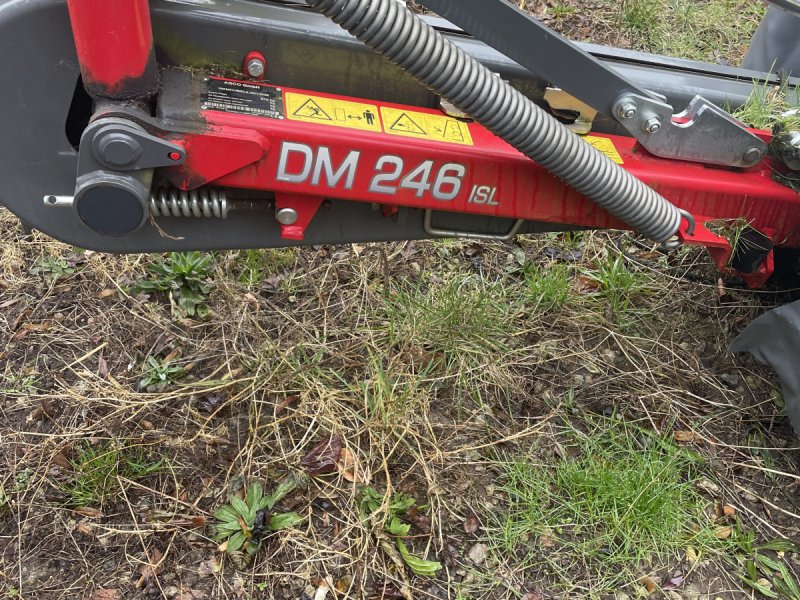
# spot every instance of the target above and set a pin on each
(389, 28)
(200, 203)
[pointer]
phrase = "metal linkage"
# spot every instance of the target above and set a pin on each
(702, 133)
(392, 30)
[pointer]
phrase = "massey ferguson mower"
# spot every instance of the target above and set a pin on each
(169, 125)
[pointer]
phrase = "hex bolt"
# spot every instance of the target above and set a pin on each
(286, 216)
(626, 108)
(256, 67)
(752, 156)
(652, 125)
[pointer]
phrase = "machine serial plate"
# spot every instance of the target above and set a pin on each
(243, 97)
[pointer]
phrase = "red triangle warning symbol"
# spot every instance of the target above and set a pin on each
(406, 124)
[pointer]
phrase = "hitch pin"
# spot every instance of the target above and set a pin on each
(58, 201)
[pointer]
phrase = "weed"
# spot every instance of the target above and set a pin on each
(185, 276)
(100, 471)
(373, 505)
(19, 384)
(256, 264)
(53, 268)
(242, 523)
(159, 373)
(549, 287)
(762, 572)
(622, 498)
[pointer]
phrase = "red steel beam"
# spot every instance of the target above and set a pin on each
(114, 43)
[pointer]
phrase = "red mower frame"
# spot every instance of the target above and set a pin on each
(316, 146)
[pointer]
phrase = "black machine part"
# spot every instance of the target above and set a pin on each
(774, 340)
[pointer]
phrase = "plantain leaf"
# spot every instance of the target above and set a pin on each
(225, 513)
(254, 495)
(240, 507)
(285, 520)
(420, 566)
(236, 541)
(397, 527)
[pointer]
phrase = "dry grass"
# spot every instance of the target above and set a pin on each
(430, 360)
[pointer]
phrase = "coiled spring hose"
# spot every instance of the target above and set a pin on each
(390, 29)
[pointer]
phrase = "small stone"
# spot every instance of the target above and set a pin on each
(729, 379)
(478, 553)
(171, 591)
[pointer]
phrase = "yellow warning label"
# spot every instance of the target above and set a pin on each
(326, 111)
(606, 146)
(425, 126)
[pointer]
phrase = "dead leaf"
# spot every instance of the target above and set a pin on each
(249, 298)
(23, 315)
(533, 596)
(648, 583)
(348, 466)
(285, 403)
(105, 594)
(546, 540)
(148, 571)
(723, 533)
(423, 522)
(107, 293)
(728, 510)
(472, 524)
(691, 555)
(208, 567)
(323, 458)
(721, 288)
(687, 437)
(102, 367)
(61, 461)
(88, 511)
(28, 327)
(674, 582)
(43, 409)
(343, 584)
(587, 285)
(85, 528)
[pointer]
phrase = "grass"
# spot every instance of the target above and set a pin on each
(101, 472)
(615, 500)
(771, 108)
(452, 330)
(549, 287)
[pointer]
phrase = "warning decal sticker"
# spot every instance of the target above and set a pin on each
(327, 111)
(437, 128)
(606, 146)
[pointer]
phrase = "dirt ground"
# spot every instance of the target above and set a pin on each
(430, 367)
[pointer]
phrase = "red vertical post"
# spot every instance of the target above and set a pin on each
(114, 41)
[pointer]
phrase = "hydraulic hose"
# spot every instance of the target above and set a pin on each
(392, 30)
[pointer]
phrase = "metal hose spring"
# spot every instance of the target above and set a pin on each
(202, 202)
(389, 28)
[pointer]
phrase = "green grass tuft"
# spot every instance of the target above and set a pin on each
(621, 498)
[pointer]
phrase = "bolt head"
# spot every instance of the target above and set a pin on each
(117, 149)
(652, 125)
(286, 216)
(752, 156)
(627, 110)
(256, 67)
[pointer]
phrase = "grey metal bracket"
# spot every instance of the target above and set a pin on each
(702, 133)
(122, 145)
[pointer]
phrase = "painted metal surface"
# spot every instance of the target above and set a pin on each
(114, 42)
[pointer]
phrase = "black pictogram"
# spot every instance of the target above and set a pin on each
(311, 110)
(406, 124)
